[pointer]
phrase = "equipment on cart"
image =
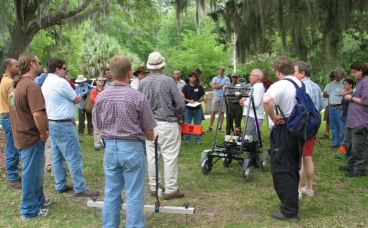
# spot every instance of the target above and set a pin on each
(241, 147)
(185, 209)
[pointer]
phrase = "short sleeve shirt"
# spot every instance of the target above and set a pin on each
(220, 80)
(25, 100)
(193, 93)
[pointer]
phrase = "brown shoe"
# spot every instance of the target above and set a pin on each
(87, 193)
(68, 188)
(14, 184)
(177, 194)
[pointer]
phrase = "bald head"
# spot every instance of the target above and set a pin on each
(10, 66)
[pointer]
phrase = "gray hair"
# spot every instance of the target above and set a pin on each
(303, 66)
(259, 73)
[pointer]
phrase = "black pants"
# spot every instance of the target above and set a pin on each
(356, 147)
(235, 112)
(82, 114)
(285, 164)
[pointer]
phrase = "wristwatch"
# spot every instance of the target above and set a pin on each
(351, 99)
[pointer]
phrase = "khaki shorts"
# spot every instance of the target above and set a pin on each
(216, 104)
(326, 115)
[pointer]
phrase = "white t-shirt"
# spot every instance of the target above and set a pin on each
(258, 92)
(59, 96)
(283, 93)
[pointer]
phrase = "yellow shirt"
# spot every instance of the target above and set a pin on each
(6, 83)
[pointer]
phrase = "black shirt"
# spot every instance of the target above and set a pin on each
(193, 93)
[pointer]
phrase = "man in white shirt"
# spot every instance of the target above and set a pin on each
(140, 73)
(60, 99)
(285, 147)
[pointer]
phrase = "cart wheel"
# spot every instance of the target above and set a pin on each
(226, 162)
(205, 167)
(249, 174)
(264, 165)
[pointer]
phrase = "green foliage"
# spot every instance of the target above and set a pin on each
(200, 51)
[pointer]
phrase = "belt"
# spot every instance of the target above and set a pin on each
(234, 102)
(5, 113)
(161, 120)
(335, 105)
(61, 121)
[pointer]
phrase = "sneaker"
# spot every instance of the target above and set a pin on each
(87, 193)
(48, 169)
(220, 129)
(97, 148)
(47, 202)
(279, 216)
(325, 136)
(67, 189)
(187, 142)
(199, 143)
(43, 212)
(209, 129)
(345, 168)
(355, 174)
(307, 192)
(14, 184)
(177, 194)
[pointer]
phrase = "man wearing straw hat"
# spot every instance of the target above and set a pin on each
(168, 107)
(83, 89)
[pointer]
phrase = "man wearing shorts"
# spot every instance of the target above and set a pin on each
(218, 84)
(302, 72)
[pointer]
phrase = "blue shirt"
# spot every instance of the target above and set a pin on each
(80, 89)
(59, 96)
(40, 79)
(220, 80)
(315, 93)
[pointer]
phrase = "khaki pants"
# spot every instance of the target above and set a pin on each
(96, 137)
(169, 142)
(48, 158)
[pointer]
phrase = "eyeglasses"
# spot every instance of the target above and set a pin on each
(253, 75)
(100, 80)
(64, 68)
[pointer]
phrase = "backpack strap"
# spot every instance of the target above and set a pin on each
(296, 85)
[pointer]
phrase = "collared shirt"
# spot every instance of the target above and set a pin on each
(220, 80)
(314, 92)
(193, 93)
(120, 112)
(6, 83)
(41, 79)
(163, 95)
(181, 84)
(80, 90)
(357, 113)
(334, 91)
(59, 96)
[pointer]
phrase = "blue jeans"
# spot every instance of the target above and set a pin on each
(336, 126)
(65, 145)
(124, 163)
(33, 163)
(11, 153)
(343, 120)
(189, 115)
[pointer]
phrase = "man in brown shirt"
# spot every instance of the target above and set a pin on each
(11, 153)
(29, 126)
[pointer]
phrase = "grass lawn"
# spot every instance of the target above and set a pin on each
(222, 198)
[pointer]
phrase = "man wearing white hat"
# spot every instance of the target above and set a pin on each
(167, 107)
(83, 89)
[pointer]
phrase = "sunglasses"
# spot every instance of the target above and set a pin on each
(39, 63)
